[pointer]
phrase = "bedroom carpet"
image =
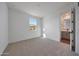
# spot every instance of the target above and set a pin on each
(38, 47)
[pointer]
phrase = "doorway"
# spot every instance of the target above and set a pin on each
(68, 28)
(65, 27)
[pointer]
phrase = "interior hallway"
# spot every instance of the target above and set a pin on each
(38, 47)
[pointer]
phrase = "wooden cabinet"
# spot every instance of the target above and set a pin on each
(65, 34)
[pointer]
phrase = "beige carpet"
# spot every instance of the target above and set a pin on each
(38, 47)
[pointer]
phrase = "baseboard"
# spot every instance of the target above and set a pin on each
(54, 40)
(23, 40)
(3, 50)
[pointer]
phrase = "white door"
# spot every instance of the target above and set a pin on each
(72, 30)
(77, 30)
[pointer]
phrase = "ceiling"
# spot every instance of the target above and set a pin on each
(38, 8)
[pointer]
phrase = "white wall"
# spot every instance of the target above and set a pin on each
(51, 13)
(3, 27)
(52, 23)
(19, 26)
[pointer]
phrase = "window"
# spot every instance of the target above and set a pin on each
(33, 23)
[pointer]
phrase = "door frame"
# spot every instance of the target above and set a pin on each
(74, 29)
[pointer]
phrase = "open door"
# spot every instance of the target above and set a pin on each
(72, 31)
(68, 28)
